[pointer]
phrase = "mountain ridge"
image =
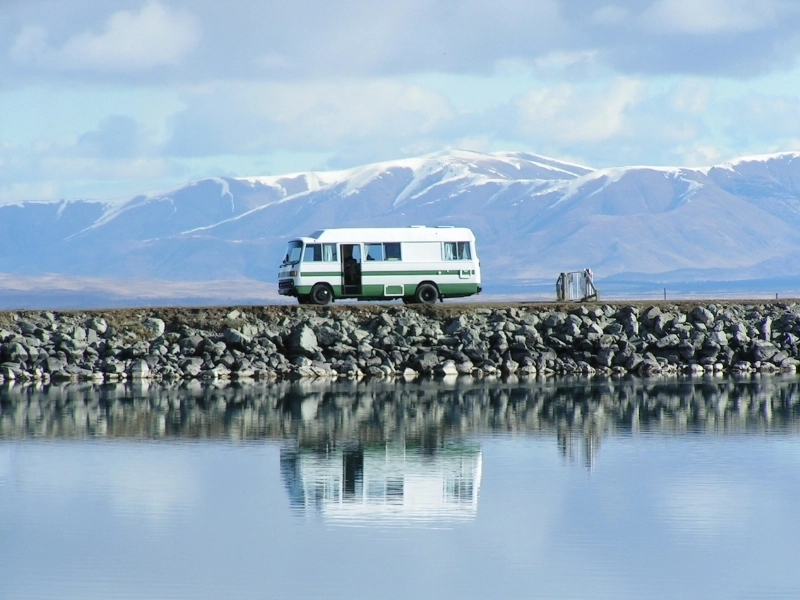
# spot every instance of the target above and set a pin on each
(533, 216)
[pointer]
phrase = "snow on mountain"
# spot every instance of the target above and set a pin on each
(533, 217)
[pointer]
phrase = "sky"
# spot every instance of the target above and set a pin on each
(106, 99)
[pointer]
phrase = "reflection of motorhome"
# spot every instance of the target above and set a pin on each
(391, 483)
(416, 264)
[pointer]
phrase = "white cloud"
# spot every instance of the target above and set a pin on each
(692, 96)
(359, 109)
(155, 36)
(554, 64)
(701, 155)
(358, 81)
(611, 13)
(708, 17)
(244, 118)
(22, 192)
(365, 38)
(138, 169)
(273, 61)
(576, 114)
(30, 44)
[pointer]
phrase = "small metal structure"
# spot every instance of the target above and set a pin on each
(576, 286)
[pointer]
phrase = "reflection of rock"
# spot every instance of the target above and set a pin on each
(384, 483)
(314, 411)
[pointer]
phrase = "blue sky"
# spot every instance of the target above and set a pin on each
(108, 98)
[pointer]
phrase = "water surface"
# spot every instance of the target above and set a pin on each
(467, 489)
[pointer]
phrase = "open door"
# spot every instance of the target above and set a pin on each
(351, 269)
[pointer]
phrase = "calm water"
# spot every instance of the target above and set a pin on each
(557, 489)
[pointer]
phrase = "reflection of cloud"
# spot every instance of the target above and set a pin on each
(140, 484)
(5, 463)
(152, 489)
(707, 506)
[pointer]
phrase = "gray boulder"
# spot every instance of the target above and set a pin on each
(154, 326)
(303, 341)
(139, 369)
(235, 337)
(763, 350)
(702, 315)
(427, 362)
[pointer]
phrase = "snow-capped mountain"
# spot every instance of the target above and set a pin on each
(533, 217)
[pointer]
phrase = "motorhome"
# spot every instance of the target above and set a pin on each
(415, 264)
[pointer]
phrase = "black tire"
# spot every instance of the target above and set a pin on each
(303, 300)
(426, 293)
(321, 294)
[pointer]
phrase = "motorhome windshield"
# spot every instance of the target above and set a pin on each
(293, 252)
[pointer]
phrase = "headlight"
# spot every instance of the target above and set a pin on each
(292, 273)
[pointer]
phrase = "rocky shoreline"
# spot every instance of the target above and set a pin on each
(385, 341)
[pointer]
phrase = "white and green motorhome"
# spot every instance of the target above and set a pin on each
(415, 264)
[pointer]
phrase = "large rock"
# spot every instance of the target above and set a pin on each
(110, 365)
(192, 367)
(235, 337)
(605, 357)
(668, 341)
(702, 315)
(327, 336)
(99, 325)
(456, 325)
(686, 349)
(139, 369)
(628, 318)
(766, 329)
(427, 362)
(154, 326)
(15, 352)
(763, 350)
(53, 364)
(448, 367)
(303, 341)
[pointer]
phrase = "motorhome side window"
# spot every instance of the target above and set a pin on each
(457, 251)
(392, 251)
(374, 251)
(320, 253)
(385, 251)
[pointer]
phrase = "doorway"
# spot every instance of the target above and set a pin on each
(351, 269)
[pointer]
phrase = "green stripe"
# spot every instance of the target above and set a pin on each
(448, 290)
(412, 273)
(388, 273)
(321, 274)
(453, 290)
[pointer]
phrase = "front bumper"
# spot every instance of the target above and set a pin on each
(286, 287)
